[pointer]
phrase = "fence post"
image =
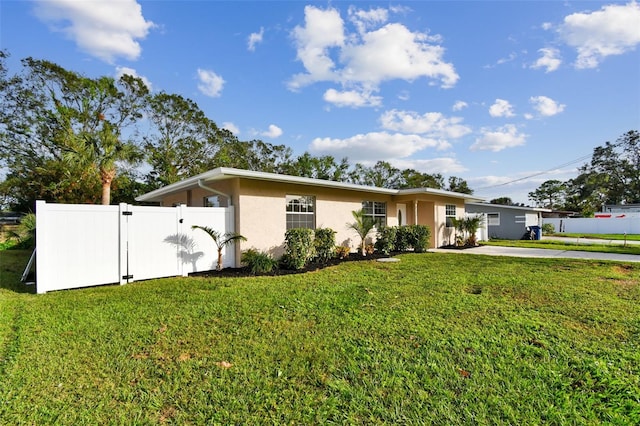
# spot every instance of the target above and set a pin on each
(182, 212)
(42, 271)
(123, 245)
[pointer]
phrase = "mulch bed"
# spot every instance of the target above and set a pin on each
(245, 272)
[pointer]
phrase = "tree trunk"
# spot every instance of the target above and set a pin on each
(106, 176)
(219, 265)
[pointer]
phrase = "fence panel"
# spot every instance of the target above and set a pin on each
(596, 225)
(151, 252)
(199, 251)
(87, 245)
(78, 246)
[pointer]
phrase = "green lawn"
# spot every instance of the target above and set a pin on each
(620, 237)
(568, 245)
(434, 339)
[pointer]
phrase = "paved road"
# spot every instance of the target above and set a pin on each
(531, 252)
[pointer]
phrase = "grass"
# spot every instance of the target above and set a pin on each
(615, 237)
(436, 338)
(567, 245)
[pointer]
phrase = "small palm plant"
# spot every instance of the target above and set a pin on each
(363, 225)
(221, 240)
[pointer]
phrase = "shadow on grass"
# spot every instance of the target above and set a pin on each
(12, 265)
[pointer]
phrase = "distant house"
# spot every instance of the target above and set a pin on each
(507, 222)
(267, 204)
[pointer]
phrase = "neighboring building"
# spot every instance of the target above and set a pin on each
(618, 209)
(507, 222)
(267, 204)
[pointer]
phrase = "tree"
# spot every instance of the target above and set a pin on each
(414, 179)
(460, 185)
(505, 201)
(324, 167)
(220, 240)
(550, 195)
(65, 131)
(182, 141)
(363, 225)
(382, 175)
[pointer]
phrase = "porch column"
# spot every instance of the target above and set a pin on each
(415, 212)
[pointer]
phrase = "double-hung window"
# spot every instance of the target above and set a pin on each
(450, 213)
(493, 219)
(377, 211)
(301, 211)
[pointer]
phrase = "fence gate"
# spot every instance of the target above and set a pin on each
(88, 245)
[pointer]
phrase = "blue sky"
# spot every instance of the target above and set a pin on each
(505, 94)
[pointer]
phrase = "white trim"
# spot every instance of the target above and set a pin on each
(222, 173)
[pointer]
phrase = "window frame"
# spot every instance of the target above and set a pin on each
(449, 213)
(293, 218)
(495, 221)
(376, 210)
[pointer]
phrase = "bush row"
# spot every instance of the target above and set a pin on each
(403, 238)
(303, 246)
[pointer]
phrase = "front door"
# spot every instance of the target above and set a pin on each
(402, 214)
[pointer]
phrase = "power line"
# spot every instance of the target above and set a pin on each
(536, 174)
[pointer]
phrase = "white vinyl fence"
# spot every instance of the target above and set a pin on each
(629, 225)
(86, 245)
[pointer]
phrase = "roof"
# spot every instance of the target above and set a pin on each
(223, 173)
(504, 206)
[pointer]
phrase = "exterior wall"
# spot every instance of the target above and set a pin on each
(262, 209)
(513, 221)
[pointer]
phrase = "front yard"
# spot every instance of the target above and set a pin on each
(435, 338)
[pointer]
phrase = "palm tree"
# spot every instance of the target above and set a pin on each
(221, 240)
(471, 225)
(363, 226)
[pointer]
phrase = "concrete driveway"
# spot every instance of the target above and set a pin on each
(548, 253)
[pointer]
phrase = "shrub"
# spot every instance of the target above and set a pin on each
(259, 262)
(299, 248)
(419, 237)
(324, 243)
(403, 239)
(386, 239)
(548, 228)
(369, 249)
(24, 235)
(342, 252)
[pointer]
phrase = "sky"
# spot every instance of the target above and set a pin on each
(504, 94)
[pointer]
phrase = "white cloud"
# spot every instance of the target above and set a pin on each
(120, 71)
(444, 165)
(501, 108)
(351, 98)
(502, 138)
(374, 146)
(432, 124)
(364, 20)
(273, 132)
(255, 38)
(545, 106)
(211, 84)
(105, 29)
(231, 127)
(361, 60)
(459, 106)
(549, 59)
(612, 30)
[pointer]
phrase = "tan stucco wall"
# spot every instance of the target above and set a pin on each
(260, 211)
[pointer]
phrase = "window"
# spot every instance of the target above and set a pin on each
(377, 211)
(450, 213)
(493, 219)
(301, 211)
(211, 201)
